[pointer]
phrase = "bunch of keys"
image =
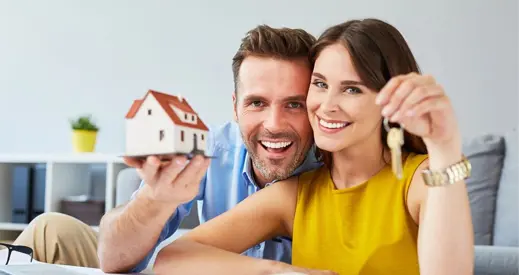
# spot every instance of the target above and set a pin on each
(395, 140)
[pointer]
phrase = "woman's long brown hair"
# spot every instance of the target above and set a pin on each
(379, 52)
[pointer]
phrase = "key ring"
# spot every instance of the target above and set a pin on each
(386, 125)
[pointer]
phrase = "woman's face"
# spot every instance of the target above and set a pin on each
(342, 111)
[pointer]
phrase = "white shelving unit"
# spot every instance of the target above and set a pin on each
(66, 175)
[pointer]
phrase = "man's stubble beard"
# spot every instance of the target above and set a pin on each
(267, 167)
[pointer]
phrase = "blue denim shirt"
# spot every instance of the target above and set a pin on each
(228, 181)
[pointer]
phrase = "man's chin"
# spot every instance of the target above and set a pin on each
(275, 169)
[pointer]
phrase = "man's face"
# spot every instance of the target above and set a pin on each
(270, 109)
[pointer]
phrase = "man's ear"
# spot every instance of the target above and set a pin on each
(234, 103)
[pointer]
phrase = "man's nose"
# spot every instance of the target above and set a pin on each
(275, 120)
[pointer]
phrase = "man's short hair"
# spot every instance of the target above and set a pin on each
(280, 43)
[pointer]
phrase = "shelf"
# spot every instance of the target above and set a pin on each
(67, 158)
(21, 226)
(61, 176)
(12, 226)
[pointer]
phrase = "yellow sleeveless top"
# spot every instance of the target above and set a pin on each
(362, 230)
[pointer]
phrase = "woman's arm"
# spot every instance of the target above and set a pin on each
(445, 240)
(214, 246)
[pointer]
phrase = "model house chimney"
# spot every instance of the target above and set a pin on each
(180, 98)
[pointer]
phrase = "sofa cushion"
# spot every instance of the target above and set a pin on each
(506, 223)
(486, 154)
(498, 260)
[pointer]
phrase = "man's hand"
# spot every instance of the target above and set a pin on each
(175, 182)
(141, 220)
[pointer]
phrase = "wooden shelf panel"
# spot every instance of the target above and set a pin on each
(67, 158)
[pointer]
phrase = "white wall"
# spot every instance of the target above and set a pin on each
(143, 131)
(60, 58)
(188, 144)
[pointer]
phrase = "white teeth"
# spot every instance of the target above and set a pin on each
(332, 125)
(276, 145)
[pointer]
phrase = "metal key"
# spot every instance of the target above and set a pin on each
(395, 140)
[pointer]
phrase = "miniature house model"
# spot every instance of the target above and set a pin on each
(161, 124)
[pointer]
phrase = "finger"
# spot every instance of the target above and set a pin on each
(385, 93)
(150, 168)
(431, 104)
(200, 172)
(406, 87)
(170, 172)
(197, 178)
(417, 95)
(193, 172)
(133, 162)
(396, 98)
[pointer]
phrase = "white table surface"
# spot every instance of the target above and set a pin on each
(43, 268)
(92, 271)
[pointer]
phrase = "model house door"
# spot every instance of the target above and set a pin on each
(195, 144)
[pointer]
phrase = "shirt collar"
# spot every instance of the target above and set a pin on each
(247, 170)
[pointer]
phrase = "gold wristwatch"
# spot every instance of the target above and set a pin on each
(450, 175)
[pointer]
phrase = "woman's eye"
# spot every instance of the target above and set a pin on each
(352, 90)
(320, 84)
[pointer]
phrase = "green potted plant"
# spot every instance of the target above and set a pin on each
(84, 133)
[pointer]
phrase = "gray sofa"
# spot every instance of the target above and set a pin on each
(493, 192)
(494, 197)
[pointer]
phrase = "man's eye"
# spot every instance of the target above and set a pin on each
(256, 103)
(295, 105)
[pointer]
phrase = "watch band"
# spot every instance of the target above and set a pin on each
(450, 175)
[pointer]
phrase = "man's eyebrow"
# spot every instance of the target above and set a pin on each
(344, 82)
(295, 98)
(249, 98)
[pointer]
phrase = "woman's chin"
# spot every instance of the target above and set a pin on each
(328, 145)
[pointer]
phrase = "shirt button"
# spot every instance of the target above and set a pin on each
(257, 247)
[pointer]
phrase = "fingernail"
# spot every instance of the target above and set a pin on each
(385, 111)
(180, 161)
(378, 100)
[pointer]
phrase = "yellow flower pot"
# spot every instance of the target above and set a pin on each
(84, 141)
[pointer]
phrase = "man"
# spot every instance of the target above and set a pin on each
(270, 140)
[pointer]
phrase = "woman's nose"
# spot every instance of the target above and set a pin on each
(330, 103)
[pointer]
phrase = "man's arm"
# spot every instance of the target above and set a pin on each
(131, 232)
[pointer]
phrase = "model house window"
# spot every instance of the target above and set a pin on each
(181, 135)
(193, 118)
(202, 136)
(149, 112)
(161, 135)
(185, 116)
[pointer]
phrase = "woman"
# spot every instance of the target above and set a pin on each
(353, 216)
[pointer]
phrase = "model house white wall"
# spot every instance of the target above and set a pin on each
(164, 124)
(151, 130)
(186, 136)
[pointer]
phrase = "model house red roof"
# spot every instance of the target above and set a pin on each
(166, 101)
